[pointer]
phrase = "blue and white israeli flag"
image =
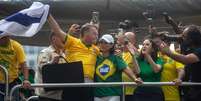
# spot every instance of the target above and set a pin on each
(26, 22)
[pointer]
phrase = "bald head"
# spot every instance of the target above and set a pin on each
(129, 33)
(120, 39)
(131, 37)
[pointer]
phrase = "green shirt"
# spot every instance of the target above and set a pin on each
(27, 92)
(148, 75)
(109, 69)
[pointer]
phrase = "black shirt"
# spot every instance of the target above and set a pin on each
(196, 67)
(194, 93)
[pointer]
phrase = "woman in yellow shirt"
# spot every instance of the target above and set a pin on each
(172, 71)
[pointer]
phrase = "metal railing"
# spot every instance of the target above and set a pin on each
(106, 84)
(6, 82)
(32, 98)
(123, 92)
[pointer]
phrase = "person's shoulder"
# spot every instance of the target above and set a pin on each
(160, 60)
(14, 42)
(71, 41)
(70, 37)
(16, 45)
(118, 57)
(96, 49)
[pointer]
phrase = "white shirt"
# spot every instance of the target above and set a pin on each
(46, 56)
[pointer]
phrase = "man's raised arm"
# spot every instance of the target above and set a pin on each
(56, 28)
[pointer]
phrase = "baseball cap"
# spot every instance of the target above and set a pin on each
(108, 38)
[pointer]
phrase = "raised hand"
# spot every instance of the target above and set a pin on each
(152, 30)
(138, 81)
(26, 84)
(168, 19)
(131, 48)
(56, 60)
(177, 81)
(75, 28)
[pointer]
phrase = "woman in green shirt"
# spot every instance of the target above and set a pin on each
(109, 68)
(150, 71)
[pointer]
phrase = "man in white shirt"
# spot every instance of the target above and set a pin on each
(49, 55)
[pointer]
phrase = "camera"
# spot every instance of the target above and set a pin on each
(127, 24)
(95, 17)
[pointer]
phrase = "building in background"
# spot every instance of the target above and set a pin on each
(31, 55)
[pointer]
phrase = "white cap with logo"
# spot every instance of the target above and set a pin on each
(108, 38)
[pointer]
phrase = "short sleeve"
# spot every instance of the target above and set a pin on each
(160, 61)
(179, 65)
(21, 57)
(69, 40)
(121, 64)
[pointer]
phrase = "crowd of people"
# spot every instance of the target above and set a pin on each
(112, 59)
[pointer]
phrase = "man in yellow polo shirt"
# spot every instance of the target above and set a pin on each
(127, 40)
(82, 49)
(12, 57)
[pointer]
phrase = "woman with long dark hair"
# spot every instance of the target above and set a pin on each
(150, 71)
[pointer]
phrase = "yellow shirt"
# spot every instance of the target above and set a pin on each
(10, 57)
(77, 51)
(127, 57)
(169, 73)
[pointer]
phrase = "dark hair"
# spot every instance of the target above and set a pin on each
(193, 36)
(154, 54)
(85, 28)
(112, 50)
